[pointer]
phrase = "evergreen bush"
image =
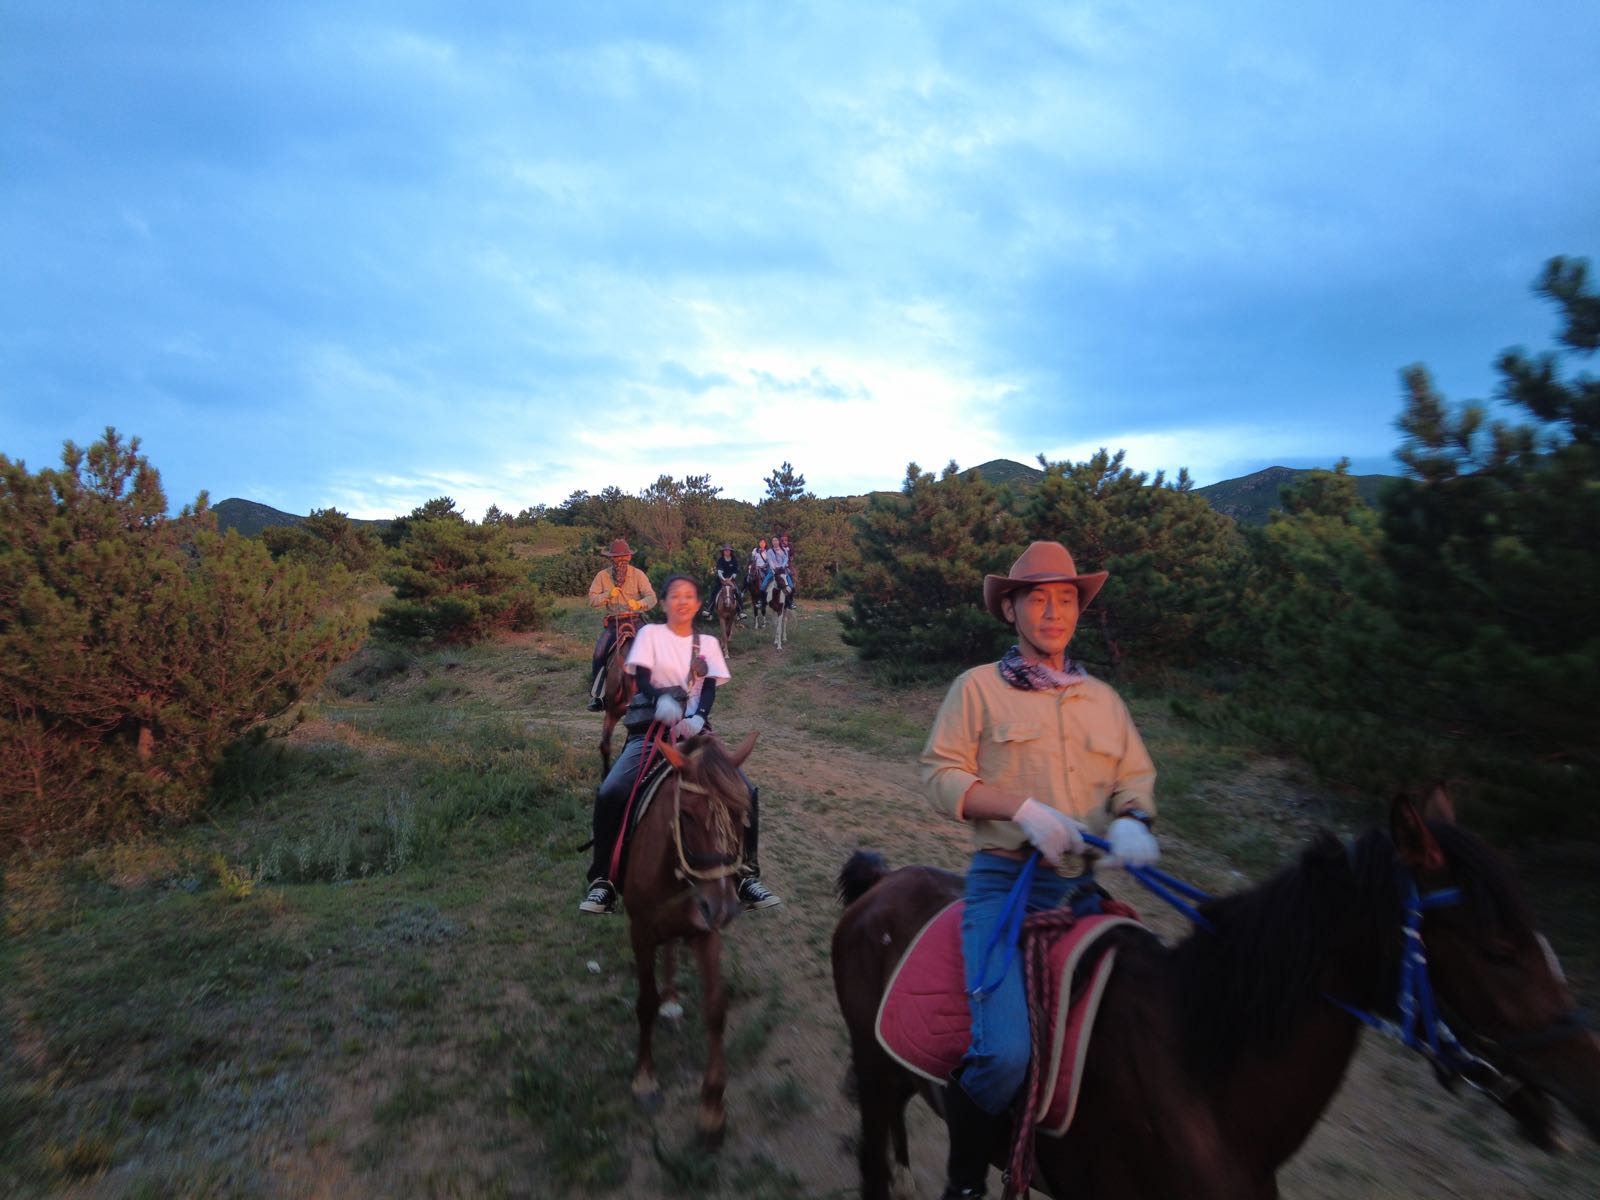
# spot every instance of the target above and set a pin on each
(455, 581)
(134, 648)
(916, 602)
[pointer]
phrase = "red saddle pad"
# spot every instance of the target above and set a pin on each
(924, 1024)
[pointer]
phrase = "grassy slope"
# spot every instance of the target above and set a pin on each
(364, 975)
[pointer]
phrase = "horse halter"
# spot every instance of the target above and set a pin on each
(1420, 1026)
(705, 867)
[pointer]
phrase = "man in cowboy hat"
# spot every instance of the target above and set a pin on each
(622, 590)
(1032, 753)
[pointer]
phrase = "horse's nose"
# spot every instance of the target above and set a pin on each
(717, 906)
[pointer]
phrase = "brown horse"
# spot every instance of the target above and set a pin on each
(726, 607)
(680, 884)
(619, 685)
(1214, 1059)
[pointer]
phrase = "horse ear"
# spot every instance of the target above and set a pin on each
(1437, 806)
(672, 754)
(743, 752)
(1413, 840)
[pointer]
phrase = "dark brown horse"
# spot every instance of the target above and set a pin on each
(680, 884)
(753, 576)
(1214, 1059)
(726, 606)
(619, 685)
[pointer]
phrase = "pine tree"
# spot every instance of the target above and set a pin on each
(457, 582)
(917, 598)
(785, 502)
(134, 648)
(1312, 626)
(1497, 573)
(1169, 553)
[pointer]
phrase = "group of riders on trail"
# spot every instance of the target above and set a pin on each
(675, 677)
(1031, 752)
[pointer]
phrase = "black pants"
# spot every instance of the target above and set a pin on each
(602, 647)
(611, 798)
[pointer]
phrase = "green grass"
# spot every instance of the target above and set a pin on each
(380, 906)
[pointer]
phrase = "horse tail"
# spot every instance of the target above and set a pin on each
(864, 868)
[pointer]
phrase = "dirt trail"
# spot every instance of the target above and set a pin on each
(1391, 1132)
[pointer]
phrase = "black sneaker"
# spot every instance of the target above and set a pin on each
(754, 894)
(596, 704)
(602, 898)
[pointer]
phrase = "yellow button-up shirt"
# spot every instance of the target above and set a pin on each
(635, 588)
(1075, 749)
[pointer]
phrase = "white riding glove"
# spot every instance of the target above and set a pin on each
(688, 728)
(1132, 844)
(668, 710)
(1053, 833)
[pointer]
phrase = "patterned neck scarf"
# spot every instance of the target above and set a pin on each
(1028, 676)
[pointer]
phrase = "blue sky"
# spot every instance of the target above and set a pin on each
(362, 254)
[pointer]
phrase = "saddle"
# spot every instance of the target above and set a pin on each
(924, 1024)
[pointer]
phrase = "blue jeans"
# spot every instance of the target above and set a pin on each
(996, 1063)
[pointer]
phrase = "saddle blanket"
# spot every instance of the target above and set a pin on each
(925, 1025)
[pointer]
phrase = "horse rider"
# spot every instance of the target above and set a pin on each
(624, 592)
(676, 674)
(727, 570)
(788, 553)
(1031, 752)
(777, 560)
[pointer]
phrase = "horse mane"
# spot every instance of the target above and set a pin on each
(1246, 986)
(715, 771)
(1485, 880)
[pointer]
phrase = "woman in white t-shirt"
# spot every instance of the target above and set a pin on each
(676, 672)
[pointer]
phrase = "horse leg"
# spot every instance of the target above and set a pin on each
(712, 1119)
(877, 1079)
(646, 1091)
(671, 1008)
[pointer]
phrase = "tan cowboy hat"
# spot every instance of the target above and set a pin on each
(619, 549)
(1042, 562)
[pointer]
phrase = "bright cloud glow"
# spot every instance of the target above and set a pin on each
(362, 256)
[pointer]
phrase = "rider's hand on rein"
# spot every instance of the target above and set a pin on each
(1052, 832)
(1132, 844)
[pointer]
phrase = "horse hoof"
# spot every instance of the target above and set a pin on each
(670, 1011)
(711, 1139)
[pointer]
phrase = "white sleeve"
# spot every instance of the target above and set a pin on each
(641, 652)
(716, 663)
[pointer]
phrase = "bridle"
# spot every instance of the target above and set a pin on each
(1419, 1024)
(706, 867)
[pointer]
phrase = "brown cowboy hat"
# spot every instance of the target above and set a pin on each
(619, 549)
(1042, 562)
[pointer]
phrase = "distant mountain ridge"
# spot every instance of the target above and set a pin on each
(1248, 499)
(250, 518)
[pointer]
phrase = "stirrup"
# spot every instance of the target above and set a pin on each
(602, 898)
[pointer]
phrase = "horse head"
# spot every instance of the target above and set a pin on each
(1500, 988)
(712, 809)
